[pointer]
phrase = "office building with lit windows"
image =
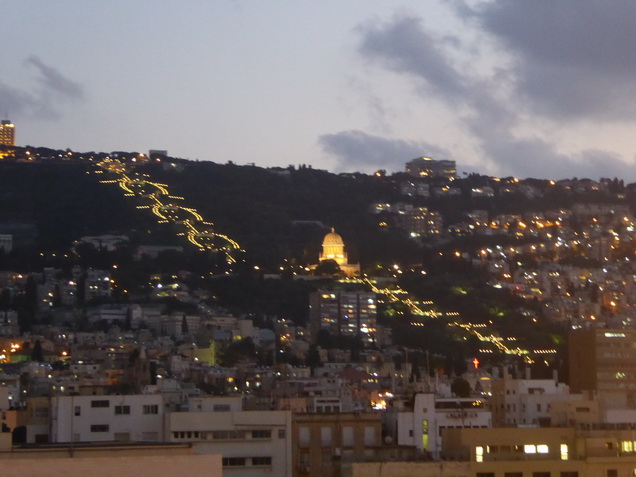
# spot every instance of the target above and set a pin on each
(344, 313)
(520, 452)
(424, 167)
(602, 360)
(7, 133)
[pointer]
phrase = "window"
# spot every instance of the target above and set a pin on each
(100, 403)
(541, 474)
(369, 436)
(513, 474)
(564, 452)
(571, 473)
(485, 474)
(122, 436)
(479, 454)
(612, 473)
(149, 436)
(233, 461)
(281, 433)
(228, 434)
(261, 434)
(261, 461)
(542, 449)
(325, 436)
(99, 428)
(151, 409)
(347, 436)
(304, 437)
(530, 449)
(221, 408)
(77, 411)
(122, 410)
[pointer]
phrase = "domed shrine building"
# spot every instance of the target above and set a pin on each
(333, 248)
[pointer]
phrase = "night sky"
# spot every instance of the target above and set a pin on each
(527, 88)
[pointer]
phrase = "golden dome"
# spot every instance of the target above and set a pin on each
(332, 238)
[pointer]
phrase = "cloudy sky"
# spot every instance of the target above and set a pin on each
(532, 89)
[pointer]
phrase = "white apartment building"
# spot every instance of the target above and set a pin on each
(422, 427)
(138, 418)
(252, 443)
(526, 402)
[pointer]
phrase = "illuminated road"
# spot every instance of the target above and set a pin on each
(198, 232)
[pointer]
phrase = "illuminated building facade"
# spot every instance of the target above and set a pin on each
(344, 313)
(602, 360)
(333, 248)
(427, 167)
(7, 133)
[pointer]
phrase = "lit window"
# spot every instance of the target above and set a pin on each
(542, 449)
(530, 449)
(564, 452)
(479, 454)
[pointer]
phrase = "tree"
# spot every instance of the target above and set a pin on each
(328, 268)
(36, 353)
(184, 325)
(460, 387)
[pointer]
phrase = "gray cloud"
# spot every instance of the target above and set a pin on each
(357, 150)
(490, 107)
(402, 45)
(51, 80)
(533, 157)
(43, 101)
(569, 62)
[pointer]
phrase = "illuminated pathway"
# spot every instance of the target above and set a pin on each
(398, 295)
(198, 232)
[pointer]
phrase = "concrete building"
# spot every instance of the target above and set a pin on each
(7, 133)
(526, 402)
(255, 443)
(325, 443)
(110, 460)
(351, 313)
(422, 428)
(124, 418)
(516, 452)
(6, 243)
(427, 167)
(601, 360)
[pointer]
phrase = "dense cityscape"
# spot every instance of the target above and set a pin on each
(455, 325)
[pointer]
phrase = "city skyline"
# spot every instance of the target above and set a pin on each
(502, 88)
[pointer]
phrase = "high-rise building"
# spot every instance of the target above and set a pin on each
(7, 133)
(427, 167)
(345, 313)
(602, 360)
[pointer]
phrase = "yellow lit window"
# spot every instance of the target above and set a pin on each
(564, 452)
(479, 454)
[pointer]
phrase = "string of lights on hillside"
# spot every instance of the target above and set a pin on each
(197, 231)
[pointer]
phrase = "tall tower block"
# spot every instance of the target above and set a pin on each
(7, 133)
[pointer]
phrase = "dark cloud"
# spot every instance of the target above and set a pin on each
(357, 150)
(569, 62)
(51, 80)
(42, 101)
(402, 45)
(540, 78)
